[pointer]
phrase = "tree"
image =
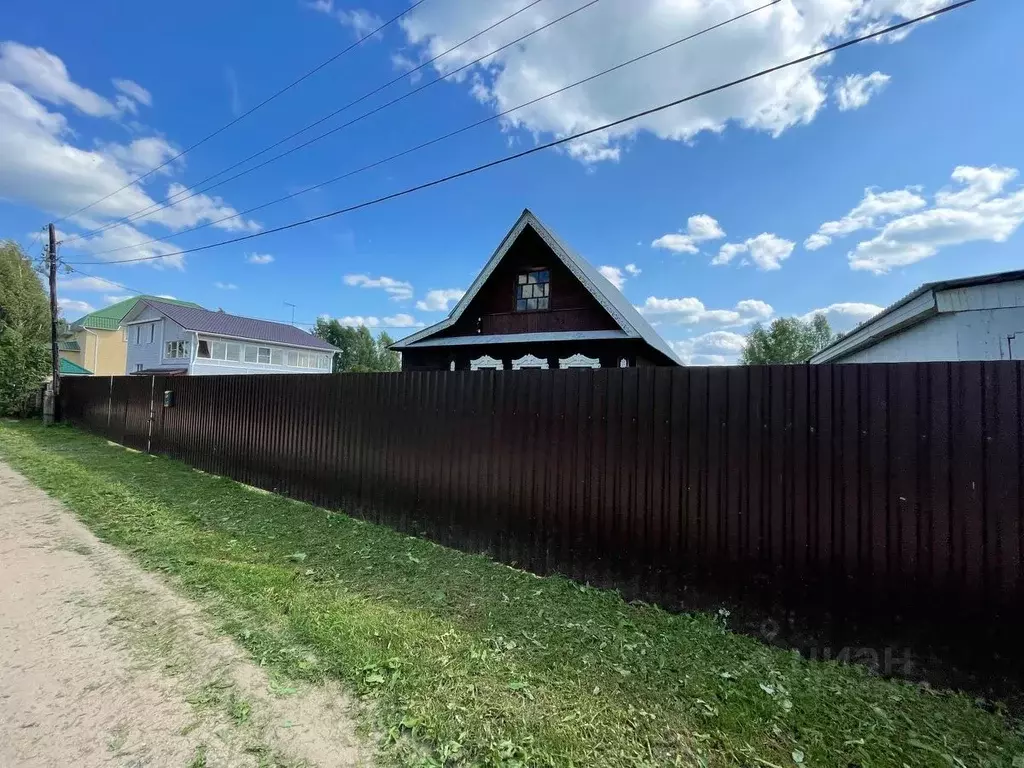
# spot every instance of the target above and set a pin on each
(359, 351)
(787, 340)
(24, 329)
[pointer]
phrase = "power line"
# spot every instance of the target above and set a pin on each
(438, 139)
(136, 291)
(197, 188)
(248, 112)
(559, 142)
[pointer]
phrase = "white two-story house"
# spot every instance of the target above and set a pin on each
(169, 339)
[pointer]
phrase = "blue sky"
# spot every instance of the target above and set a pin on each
(90, 99)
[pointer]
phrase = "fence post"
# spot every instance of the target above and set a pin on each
(152, 413)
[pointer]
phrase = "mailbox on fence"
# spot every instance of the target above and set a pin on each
(168, 398)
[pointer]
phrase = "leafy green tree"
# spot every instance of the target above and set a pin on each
(24, 329)
(359, 352)
(787, 340)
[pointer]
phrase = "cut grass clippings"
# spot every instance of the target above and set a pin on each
(467, 661)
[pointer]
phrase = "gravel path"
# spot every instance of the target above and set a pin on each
(102, 664)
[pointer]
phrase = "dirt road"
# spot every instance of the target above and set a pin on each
(101, 664)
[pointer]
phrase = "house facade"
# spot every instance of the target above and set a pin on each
(97, 342)
(537, 304)
(971, 318)
(167, 339)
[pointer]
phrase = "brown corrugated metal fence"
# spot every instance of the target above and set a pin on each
(892, 486)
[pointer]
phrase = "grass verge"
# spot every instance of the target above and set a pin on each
(468, 662)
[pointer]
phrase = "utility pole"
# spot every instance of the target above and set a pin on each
(51, 263)
(289, 304)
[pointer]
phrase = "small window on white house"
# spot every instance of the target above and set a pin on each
(293, 359)
(264, 355)
(138, 367)
(152, 332)
(250, 354)
(277, 356)
(204, 349)
(138, 332)
(303, 359)
(233, 352)
(217, 350)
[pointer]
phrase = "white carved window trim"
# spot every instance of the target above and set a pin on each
(579, 361)
(529, 361)
(485, 363)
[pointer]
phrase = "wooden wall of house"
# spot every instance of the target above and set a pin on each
(492, 310)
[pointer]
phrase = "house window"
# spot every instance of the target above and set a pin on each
(263, 355)
(533, 290)
(303, 360)
(250, 354)
(218, 350)
(138, 332)
(138, 367)
(152, 332)
(204, 349)
(277, 356)
(293, 359)
(233, 352)
(176, 349)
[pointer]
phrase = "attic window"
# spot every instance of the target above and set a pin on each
(533, 290)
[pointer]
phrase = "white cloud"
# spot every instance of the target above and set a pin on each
(259, 258)
(142, 154)
(713, 348)
(817, 241)
(854, 91)
(133, 91)
(690, 310)
(225, 286)
(40, 73)
(400, 320)
(403, 63)
(699, 229)
(874, 208)
(74, 305)
(844, 313)
(97, 284)
(971, 213)
(609, 33)
(399, 290)
(633, 269)
(618, 276)
(359, 20)
(108, 300)
(439, 300)
(165, 296)
(766, 251)
(134, 244)
(42, 169)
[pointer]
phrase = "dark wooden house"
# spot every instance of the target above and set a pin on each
(537, 304)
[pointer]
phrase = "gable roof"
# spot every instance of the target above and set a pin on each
(914, 308)
(110, 318)
(631, 323)
(234, 326)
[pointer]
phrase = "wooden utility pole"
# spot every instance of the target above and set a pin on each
(51, 263)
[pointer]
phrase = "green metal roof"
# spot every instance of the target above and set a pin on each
(67, 368)
(109, 318)
(68, 345)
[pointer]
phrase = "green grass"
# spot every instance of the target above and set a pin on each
(464, 661)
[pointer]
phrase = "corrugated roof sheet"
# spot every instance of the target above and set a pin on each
(109, 318)
(68, 345)
(236, 326)
(67, 368)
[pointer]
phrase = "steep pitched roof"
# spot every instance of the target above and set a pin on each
(110, 318)
(629, 320)
(900, 315)
(236, 326)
